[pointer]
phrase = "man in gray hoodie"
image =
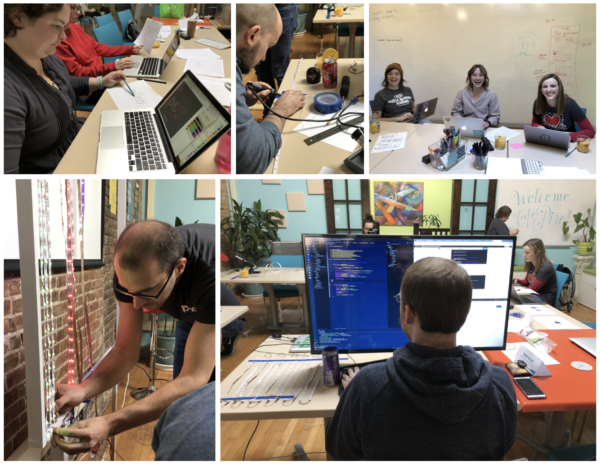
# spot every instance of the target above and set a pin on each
(432, 400)
(258, 29)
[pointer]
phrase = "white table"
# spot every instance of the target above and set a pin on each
(409, 159)
(352, 17)
(230, 313)
(287, 276)
(552, 157)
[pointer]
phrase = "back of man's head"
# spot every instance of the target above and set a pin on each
(256, 14)
(146, 240)
(439, 292)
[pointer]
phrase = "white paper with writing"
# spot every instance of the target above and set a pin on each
(197, 53)
(389, 142)
(145, 97)
(205, 67)
(148, 34)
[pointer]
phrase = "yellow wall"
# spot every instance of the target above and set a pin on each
(437, 199)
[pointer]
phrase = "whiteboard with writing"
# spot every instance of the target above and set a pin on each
(436, 45)
(539, 208)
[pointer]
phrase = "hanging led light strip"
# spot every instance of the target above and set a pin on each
(45, 263)
(69, 247)
(81, 184)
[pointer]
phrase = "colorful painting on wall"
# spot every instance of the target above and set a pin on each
(397, 203)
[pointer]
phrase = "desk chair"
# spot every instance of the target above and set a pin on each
(124, 17)
(371, 102)
(143, 392)
(104, 20)
(81, 106)
(109, 35)
(157, 10)
(343, 30)
(561, 279)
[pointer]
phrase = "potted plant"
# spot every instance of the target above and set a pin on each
(432, 220)
(585, 247)
(250, 232)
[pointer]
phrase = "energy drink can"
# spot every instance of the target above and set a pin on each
(331, 366)
(330, 73)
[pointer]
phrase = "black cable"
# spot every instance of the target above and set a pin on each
(351, 358)
(147, 375)
(310, 121)
(244, 458)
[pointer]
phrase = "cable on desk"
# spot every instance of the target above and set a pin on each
(244, 458)
(292, 455)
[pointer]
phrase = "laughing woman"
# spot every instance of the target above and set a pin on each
(476, 99)
(553, 109)
(396, 102)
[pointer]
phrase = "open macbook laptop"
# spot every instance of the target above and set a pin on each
(547, 137)
(146, 67)
(469, 127)
(425, 109)
(525, 298)
(186, 122)
(588, 344)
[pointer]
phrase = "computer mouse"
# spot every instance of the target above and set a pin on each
(185, 36)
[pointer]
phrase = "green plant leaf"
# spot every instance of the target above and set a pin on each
(178, 222)
(577, 217)
(579, 227)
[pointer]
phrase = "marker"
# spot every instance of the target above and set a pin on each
(152, 80)
(570, 152)
(128, 87)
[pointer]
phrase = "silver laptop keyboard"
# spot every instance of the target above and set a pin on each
(532, 167)
(149, 66)
(143, 144)
(214, 43)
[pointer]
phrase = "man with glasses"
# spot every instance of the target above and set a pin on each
(432, 400)
(157, 267)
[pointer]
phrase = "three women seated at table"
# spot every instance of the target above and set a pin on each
(553, 108)
(541, 274)
(39, 94)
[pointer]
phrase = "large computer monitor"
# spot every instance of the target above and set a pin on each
(351, 281)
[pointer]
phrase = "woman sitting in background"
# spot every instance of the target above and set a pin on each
(541, 275)
(39, 94)
(476, 99)
(396, 102)
(553, 109)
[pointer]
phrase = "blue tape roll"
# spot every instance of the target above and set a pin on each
(327, 102)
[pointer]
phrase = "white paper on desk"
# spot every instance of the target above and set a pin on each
(197, 53)
(166, 29)
(535, 365)
(389, 142)
(343, 139)
(583, 171)
(563, 172)
(216, 86)
(145, 97)
(556, 323)
(205, 67)
(500, 166)
(329, 171)
(536, 309)
(183, 24)
(510, 354)
(525, 291)
(515, 326)
(148, 34)
(164, 35)
(502, 131)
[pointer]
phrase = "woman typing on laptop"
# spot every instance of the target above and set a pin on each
(476, 99)
(39, 94)
(81, 54)
(555, 110)
(541, 275)
(396, 102)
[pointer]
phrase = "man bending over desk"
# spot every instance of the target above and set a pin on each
(432, 400)
(258, 29)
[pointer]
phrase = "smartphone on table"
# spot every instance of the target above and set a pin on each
(529, 388)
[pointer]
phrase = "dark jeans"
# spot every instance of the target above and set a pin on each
(278, 57)
(233, 329)
(182, 333)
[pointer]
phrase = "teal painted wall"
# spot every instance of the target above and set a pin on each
(175, 198)
(272, 196)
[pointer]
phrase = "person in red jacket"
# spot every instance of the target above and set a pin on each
(81, 54)
(555, 110)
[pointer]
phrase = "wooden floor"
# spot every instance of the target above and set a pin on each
(274, 438)
(134, 444)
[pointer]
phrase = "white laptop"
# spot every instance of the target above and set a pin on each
(587, 344)
(469, 127)
(165, 139)
(547, 137)
(146, 67)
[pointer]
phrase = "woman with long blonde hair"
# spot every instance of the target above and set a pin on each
(541, 275)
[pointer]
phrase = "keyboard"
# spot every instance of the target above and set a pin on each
(214, 44)
(149, 67)
(143, 145)
(532, 167)
(360, 366)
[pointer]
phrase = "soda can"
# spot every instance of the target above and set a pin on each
(331, 366)
(330, 73)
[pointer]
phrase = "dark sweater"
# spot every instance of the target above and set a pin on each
(498, 227)
(426, 404)
(39, 124)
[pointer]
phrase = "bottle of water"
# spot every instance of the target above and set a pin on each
(223, 156)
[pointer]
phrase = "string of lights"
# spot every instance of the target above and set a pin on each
(69, 245)
(81, 184)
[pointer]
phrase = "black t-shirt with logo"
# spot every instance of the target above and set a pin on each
(393, 102)
(193, 296)
(565, 122)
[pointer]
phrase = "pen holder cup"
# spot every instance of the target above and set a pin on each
(480, 162)
(445, 162)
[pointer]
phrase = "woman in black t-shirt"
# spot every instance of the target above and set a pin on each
(555, 110)
(541, 275)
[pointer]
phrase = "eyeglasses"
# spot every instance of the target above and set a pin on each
(399, 301)
(120, 289)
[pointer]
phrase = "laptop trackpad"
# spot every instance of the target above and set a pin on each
(112, 138)
(136, 65)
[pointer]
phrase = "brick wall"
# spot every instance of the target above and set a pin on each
(102, 315)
